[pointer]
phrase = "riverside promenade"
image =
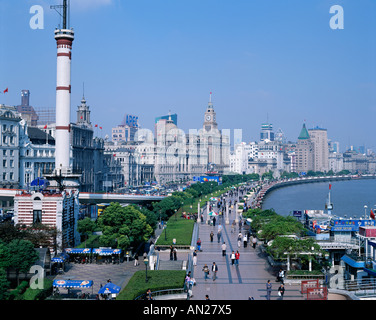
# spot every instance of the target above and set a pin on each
(235, 282)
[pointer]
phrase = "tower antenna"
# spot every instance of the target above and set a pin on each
(66, 12)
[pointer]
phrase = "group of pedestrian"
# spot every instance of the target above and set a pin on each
(213, 269)
(280, 290)
(235, 258)
(245, 238)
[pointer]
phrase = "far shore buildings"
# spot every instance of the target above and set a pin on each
(304, 152)
(171, 155)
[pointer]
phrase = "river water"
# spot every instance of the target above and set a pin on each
(348, 197)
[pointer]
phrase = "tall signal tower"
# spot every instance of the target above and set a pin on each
(64, 39)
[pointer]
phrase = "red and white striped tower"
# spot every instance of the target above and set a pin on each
(64, 39)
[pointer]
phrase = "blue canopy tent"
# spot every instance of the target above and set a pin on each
(73, 284)
(109, 288)
(106, 252)
(40, 182)
(78, 250)
(62, 257)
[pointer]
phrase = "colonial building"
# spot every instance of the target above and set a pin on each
(214, 142)
(37, 154)
(52, 209)
(9, 144)
(319, 138)
(304, 152)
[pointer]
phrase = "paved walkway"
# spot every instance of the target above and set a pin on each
(235, 282)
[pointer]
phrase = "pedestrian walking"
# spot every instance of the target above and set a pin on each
(214, 270)
(268, 290)
(136, 259)
(211, 236)
(199, 244)
(220, 227)
(214, 219)
(206, 271)
(223, 249)
(149, 295)
(254, 242)
(232, 258)
(219, 234)
(237, 257)
(171, 253)
(281, 276)
(281, 291)
(233, 225)
(245, 240)
(195, 258)
(175, 253)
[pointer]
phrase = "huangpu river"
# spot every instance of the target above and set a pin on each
(348, 198)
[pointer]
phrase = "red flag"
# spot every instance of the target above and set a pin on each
(330, 186)
(114, 155)
(6, 90)
(45, 127)
(81, 117)
(100, 128)
(372, 215)
(96, 126)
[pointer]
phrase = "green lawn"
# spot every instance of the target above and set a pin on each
(179, 229)
(157, 280)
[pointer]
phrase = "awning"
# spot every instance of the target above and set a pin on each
(60, 258)
(353, 263)
(73, 283)
(109, 288)
(213, 213)
(78, 250)
(106, 252)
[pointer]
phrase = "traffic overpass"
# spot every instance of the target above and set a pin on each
(94, 198)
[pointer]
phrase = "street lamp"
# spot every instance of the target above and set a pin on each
(365, 211)
(146, 261)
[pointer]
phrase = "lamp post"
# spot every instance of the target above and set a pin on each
(146, 261)
(365, 211)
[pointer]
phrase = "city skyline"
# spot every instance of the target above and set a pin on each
(146, 59)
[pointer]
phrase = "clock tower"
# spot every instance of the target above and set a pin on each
(210, 121)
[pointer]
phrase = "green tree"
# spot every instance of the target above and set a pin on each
(123, 227)
(281, 226)
(86, 226)
(22, 256)
(4, 285)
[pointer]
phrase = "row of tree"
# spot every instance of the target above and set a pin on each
(129, 226)
(283, 235)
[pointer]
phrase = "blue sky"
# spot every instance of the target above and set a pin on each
(260, 58)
